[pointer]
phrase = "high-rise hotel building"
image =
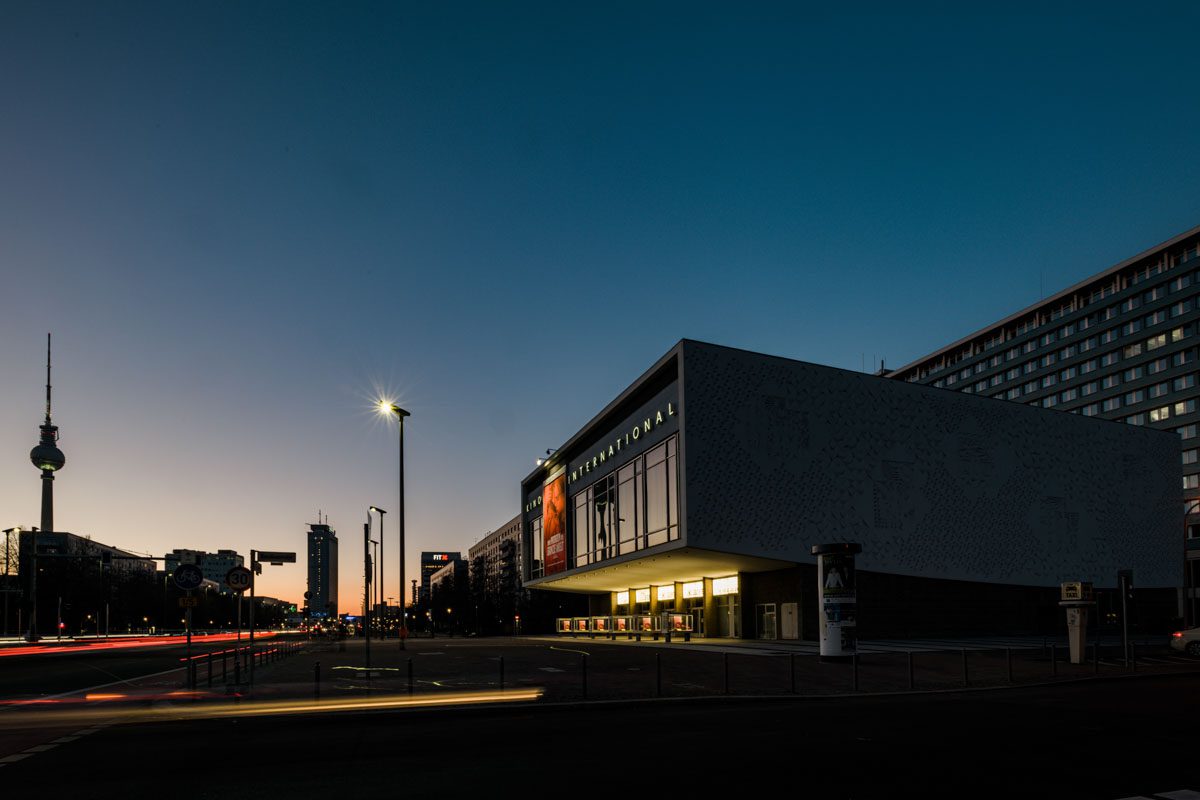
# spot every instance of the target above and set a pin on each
(322, 594)
(1120, 345)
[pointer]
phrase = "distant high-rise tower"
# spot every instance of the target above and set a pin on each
(322, 594)
(46, 456)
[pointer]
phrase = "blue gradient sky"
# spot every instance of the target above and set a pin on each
(240, 218)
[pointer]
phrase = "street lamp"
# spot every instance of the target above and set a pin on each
(388, 407)
(383, 618)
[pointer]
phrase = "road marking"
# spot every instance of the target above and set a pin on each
(569, 650)
(14, 757)
(40, 748)
(550, 669)
(65, 739)
(1179, 794)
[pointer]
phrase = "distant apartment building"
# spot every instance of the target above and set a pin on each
(495, 576)
(1120, 345)
(215, 566)
(322, 594)
(85, 585)
(431, 563)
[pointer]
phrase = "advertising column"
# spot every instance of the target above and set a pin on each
(837, 602)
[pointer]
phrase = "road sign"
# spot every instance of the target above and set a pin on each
(189, 602)
(238, 579)
(188, 576)
(277, 558)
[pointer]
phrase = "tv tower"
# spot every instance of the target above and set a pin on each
(46, 456)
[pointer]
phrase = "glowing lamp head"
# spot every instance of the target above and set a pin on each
(387, 407)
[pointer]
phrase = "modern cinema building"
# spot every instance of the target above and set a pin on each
(693, 499)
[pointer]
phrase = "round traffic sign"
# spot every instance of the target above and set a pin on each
(238, 579)
(188, 576)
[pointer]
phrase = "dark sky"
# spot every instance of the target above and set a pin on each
(244, 220)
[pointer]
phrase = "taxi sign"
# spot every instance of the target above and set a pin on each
(1077, 590)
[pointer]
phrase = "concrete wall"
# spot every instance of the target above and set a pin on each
(779, 455)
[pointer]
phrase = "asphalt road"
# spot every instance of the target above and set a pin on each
(42, 674)
(1116, 738)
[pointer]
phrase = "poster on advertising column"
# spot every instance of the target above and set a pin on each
(554, 522)
(838, 623)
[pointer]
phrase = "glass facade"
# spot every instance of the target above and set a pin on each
(630, 509)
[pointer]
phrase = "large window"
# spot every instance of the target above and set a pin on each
(537, 548)
(633, 508)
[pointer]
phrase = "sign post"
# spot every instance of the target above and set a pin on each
(238, 580)
(188, 577)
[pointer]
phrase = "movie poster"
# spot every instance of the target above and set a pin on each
(554, 522)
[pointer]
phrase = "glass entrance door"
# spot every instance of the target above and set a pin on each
(765, 614)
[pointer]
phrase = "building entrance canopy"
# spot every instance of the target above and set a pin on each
(681, 565)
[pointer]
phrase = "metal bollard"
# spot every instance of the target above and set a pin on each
(911, 675)
(792, 671)
(1133, 655)
(583, 674)
(725, 658)
(1053, 660)
(966, 677)
(1095, 658)
(410, 677)
(317, 681)
(501, 673)
(854, 669)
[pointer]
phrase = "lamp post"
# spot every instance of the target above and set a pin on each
(383, 615)
(387, 407)
(367, 588)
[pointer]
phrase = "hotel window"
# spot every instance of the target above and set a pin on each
(1131, 374)
(1087, 344)
(1155, 342)
(1088, 388)
(1136, 419)
(1090, 410)
(1066, 330)
(1068, 351)
(1158, 389)
(1191, 481)
(981, 386)
(1187, 431)
(1109, 381)
(1189, 456)
(995, 361)
(1182, 307)
(1156, 318)
(1049, 401)
(1181, 282)
(1031, 387)
(995, 380)
(980, 366)
(1111, 404)
(1048, 338)
(1068, 395)
(1087, 322)
(1029, 366)
(1013, 374)
(1177, 334)
(1160, 414)
(1156, 366)
(1131, 327)
(1134, 397)
(1048, 359)
(1157, 293)
(1013, 393)
(1012, 353)
(1067, 374)
(1133, 350)
(1110, 312)
(1181, 383)
(1131, 304)
(1108, 359)
(1185, 407)
(1110, 335)
(1181, 358)
(951, 380)
(1049, 380)
(1029, 346)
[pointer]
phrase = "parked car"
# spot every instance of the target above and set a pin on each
(1188, 641)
